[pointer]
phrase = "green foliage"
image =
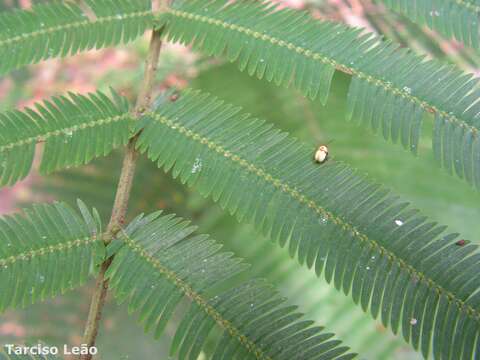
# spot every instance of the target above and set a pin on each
(311, 122)
(319, 300)
(391, 88)
(452, 19)
(45, 251)
(364, 239)
(59, 29)
(74, 130)
(391, 259)
(161, 262)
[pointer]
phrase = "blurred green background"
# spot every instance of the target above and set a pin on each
(418, 180)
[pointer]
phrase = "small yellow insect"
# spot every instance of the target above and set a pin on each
(321, 155)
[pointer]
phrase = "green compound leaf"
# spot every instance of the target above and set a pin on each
(391, 259)
(163, 262)
(74, 130)
(391, 89)
(45, 251)
(458, 19)
(60, 29)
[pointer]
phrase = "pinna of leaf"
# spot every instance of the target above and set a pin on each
(170, 262)
(53, 124)
(391, 87)
(157, 262)
(359, 235)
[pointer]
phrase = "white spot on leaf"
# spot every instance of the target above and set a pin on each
(323, 221)
(197, 166)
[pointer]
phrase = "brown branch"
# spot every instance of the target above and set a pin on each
(122, 195)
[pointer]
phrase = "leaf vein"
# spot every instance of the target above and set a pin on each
(28, 255)
(69, 131)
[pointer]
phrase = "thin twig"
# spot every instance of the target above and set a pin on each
(122, 195)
